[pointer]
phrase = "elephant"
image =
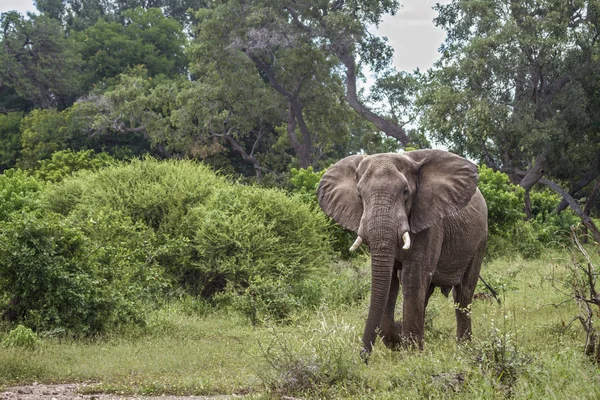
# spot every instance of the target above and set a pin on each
(425, 223)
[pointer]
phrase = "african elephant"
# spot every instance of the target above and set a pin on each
(425, 222)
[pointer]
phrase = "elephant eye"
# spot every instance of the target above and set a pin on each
(405, 192)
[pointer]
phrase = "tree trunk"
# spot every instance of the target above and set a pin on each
(585, 219)
(591, 200)
(389, 128)
(245, 156)
(534, 173)
(583, 182)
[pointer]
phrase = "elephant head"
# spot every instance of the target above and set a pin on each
(389, 198)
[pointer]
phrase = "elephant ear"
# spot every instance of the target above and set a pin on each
(338, 195)
(446, 183)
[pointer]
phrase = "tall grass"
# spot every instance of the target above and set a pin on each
(521, 349)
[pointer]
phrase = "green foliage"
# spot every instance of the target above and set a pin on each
(509, 231)
(18, 192)
(305, 183)
(266, 298)
(10, 139)
(22, 337)
(43, 132)
(58, 277)
(244, 232)
(158, 194)
(504, 201)
(66, 162)
(39, 65)
(211, 236)
(145, 37)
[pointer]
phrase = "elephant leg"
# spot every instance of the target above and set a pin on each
(429, 293)
(414, 295)
(463, 296)
(390, 330)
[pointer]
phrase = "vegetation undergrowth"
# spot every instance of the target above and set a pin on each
(524, 348)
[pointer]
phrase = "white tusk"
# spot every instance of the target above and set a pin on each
(356, 244)
(406, 239)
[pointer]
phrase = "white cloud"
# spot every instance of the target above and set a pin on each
(413, 35)
(21, 6)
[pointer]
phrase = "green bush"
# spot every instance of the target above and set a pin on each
(57, 277)
(209, 235)
(504, 200)
(244, 232)
(64, 163)
(10, 138)
(159, 194)
(18, 192)
(509, 231)
(23, 337)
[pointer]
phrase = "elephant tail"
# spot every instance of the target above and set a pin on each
(491, 289)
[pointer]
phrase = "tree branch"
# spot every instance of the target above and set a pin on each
(585, 180)
(585, 219)
(389, 128)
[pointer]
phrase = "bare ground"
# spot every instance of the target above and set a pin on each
(71, 391)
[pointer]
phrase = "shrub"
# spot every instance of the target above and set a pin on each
(500, 358)
(210, 234)
(18, 192)
(21, 337)
(509, 231)
(325, 357)
(57, 277)
(10, 138)
(64, 163)
(504, 201)
(156, 193)
(244, 232)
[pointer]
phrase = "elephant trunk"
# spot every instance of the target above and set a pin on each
(383, 240)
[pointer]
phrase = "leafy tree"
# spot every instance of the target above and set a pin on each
(81, 14)
(510, 89)
(43, 132)
(145, 37)
(10, 139)
(193, 119)
(39, 66)
(65, 163)
(301, 49)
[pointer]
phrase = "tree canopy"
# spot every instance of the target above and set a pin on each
(257, 87)
(513, 89)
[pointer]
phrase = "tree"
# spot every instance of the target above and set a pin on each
(308, 54)
(510, 89)
(81, 14)
(39, 66)
(10, 139)
(226, 109)
(146, 37)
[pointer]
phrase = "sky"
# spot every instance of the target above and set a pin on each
(410, 32)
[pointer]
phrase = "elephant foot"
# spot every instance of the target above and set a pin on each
(391, 335)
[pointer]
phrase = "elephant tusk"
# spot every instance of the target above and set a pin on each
(406, 239)
(356, 244)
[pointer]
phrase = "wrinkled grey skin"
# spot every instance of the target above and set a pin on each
(433, 195)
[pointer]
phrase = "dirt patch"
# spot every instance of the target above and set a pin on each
(71, 392)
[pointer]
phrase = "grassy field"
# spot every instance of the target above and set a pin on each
(524, 348)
